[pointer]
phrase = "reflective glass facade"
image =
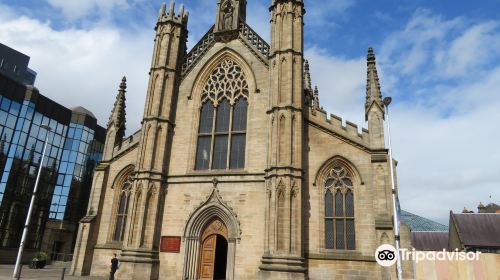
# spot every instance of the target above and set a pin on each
(74, 148)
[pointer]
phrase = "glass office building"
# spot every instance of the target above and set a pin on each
(74, 148)
(14, 65)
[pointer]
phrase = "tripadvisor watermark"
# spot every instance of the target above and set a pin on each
(386, 255)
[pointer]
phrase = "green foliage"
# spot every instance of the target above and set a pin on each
(40, 256)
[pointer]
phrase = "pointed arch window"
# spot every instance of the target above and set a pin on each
(339, 210)
(122, 210)
(223, 119)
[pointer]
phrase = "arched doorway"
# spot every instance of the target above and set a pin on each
(213, 253)
(214, 216)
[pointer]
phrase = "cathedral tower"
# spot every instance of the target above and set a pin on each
(141, 239)
(284, 175)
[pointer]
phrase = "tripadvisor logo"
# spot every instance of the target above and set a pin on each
(386, 255)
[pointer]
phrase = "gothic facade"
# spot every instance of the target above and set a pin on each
(237, 172)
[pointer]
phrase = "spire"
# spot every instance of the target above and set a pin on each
(373, 93)
(117, 117)
(316, 99)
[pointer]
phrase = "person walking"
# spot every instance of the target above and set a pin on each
(114, 267)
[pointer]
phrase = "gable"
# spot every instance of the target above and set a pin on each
(245, 34)
(255, 69)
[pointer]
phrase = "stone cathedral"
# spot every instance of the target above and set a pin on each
(237, 172)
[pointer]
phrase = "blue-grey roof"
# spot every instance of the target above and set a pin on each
(418, 223)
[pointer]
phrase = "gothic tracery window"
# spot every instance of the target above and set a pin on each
(223, 119)
(339, 210)
(122, 210)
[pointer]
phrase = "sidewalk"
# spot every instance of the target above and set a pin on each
(48, 273)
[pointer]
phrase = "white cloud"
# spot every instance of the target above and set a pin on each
(76, 9)
(440, 71)
(472, 49)
(84, 67)
(341, 83)
(319, 13)
(445, 115)
(445, 124)
(449, 163)
(433, 48)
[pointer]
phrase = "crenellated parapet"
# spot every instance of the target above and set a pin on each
(371, 139)
(128, 144)
(165, 16)
(335, 125)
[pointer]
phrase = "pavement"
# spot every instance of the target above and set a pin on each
(47, 273)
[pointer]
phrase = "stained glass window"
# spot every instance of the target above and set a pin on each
(221, 145)
(339, 210)
(122, 211)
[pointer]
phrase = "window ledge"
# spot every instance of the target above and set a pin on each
(212, 172)
(341, 255)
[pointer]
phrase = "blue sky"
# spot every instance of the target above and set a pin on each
(440, 60)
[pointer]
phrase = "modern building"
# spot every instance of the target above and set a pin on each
(14, 65)
(237, 172)
(74, 149)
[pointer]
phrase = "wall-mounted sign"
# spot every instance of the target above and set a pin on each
(170, 244)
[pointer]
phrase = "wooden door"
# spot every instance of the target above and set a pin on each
(208, 257)
(209, 246)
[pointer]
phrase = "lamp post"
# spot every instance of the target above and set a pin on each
(17, 268)
(395, 215)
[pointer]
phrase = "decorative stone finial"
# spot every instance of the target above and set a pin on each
(172, 8)
(123, 84)
(181, 10)
(162, 10)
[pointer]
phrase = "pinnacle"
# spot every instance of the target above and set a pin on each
(307, 76)
(316, 105)
(117, 117)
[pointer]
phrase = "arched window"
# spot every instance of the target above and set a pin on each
(122, 211)
(223, 119)
(339, 210)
